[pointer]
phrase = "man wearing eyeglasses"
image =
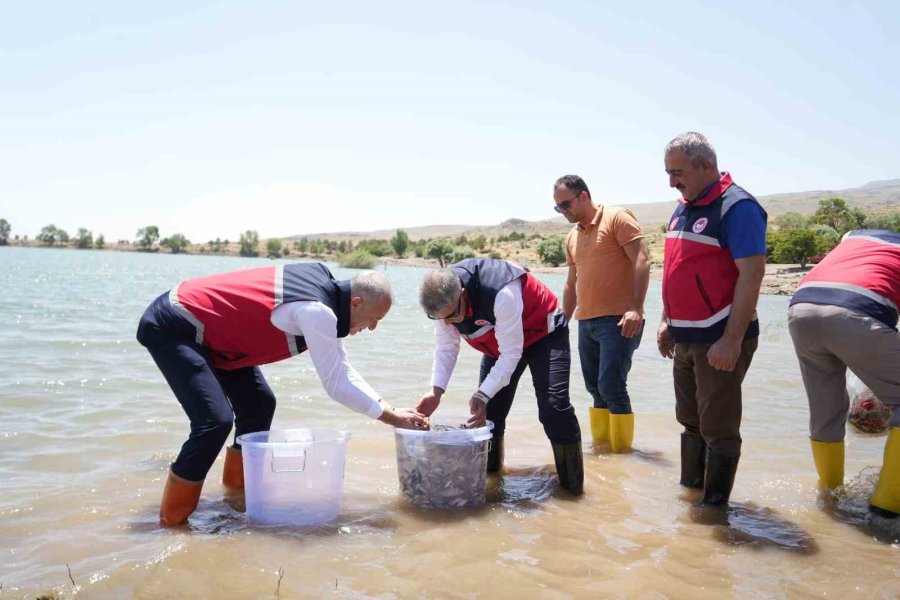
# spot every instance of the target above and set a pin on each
(609, 272)
(515, 321)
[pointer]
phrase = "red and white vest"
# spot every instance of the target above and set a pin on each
(482, 279)
(861, 273)
(232, 311)
(699, 273)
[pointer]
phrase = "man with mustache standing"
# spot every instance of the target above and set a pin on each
(715, 259)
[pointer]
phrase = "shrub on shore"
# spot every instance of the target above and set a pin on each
(358, 259)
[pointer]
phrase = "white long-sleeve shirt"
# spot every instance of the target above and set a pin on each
(318, 325)
(510, 335)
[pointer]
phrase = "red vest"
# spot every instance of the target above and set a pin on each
(699, 273)
(232, 311)
(861, 273)
(483, 278)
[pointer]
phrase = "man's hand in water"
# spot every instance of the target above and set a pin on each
(429, 402)
(478, 409)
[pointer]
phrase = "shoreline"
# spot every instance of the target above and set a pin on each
(779, 279)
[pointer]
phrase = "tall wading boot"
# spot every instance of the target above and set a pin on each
(719, 479)
(885, 501)
(570, 467)
(233, 472)
(599, 424)
(495, 454)
(829, 459)
(180, 499)
(693, 460)
(621, 432)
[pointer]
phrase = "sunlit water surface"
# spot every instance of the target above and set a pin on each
(89, 428)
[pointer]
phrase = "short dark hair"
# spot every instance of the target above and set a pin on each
(574, 183)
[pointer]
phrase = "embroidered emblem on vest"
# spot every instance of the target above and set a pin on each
(673, 224)
(482, 322)
(700, 224)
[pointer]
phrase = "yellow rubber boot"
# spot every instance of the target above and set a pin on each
(886, 499)
(621, 431)
(180, 499)
(829, 459)
(599, 425)
(233, 473)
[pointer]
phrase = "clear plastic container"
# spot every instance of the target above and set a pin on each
(445, 467)
(294, 476)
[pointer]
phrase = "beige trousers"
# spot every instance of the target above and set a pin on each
(829, 339)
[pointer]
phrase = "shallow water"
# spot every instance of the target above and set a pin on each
(89, 427)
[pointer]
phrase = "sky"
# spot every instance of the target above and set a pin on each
(292, 117)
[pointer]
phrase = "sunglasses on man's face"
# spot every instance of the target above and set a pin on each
(565, 204)
(452, 315)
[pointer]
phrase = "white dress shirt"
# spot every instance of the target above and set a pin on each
(510, 335)
(318, 325)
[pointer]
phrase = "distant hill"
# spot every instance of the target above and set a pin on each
(873, 196)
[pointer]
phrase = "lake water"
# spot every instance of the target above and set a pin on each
(89, 428)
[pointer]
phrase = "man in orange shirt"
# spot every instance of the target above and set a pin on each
(609, 272)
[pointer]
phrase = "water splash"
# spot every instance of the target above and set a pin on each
(850, 504)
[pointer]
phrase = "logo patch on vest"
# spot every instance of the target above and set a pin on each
(482, 322)
(673, 224)
(700, 224)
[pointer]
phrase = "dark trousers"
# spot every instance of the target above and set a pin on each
(708, 401)
(213, 399)
(606, 360)
(549, 360)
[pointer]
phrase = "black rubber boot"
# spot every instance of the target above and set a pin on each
(569, 467)
(720, 472)
(495, 455)
(693, 460)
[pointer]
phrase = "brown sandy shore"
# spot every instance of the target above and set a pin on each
(779, 280)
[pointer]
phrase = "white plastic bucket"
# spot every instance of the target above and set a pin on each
(294, 476)
(443, 469)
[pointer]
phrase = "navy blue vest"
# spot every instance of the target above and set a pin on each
(314, 282)
(483, 278)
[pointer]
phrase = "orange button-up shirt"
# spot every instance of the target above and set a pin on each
(604, 282)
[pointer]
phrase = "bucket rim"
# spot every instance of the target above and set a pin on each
(478, 434)
(328, 435)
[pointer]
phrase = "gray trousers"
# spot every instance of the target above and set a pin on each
(829, 339)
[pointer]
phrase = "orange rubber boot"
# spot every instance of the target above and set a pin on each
(233, 473)
(180, 499)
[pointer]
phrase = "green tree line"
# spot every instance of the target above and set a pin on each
(791, 238)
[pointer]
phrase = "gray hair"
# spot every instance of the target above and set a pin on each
(371, 286)
(440, 290)
(695, 146)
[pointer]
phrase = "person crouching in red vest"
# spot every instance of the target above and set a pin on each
(209, 336)
(515, 321)
(845, 314)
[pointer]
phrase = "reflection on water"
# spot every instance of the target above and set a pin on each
(745, 524)
(89, 428)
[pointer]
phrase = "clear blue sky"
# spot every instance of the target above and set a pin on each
(288, 117)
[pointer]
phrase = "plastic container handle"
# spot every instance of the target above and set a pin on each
(286, 461)
(487, 448)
